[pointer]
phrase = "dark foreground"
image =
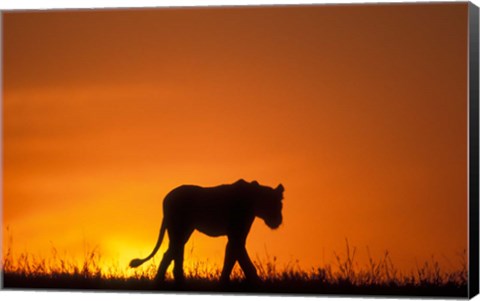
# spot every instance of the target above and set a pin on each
(204, 285)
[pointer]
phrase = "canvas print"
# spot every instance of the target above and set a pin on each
(305, 149)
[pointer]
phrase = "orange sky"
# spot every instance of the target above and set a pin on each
(359, 111)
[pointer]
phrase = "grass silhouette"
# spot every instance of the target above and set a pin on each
(344, 277)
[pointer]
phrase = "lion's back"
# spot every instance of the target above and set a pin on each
(207, 209)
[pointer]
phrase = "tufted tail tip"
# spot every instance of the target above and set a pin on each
(135, 263)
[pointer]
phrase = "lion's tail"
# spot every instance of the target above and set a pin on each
(137, 261)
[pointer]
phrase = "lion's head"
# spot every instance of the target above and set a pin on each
(268, 203)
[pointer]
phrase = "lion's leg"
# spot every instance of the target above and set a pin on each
(247, 266)
(178, 265)
(178, 246)
(229, 262)
(166, 260)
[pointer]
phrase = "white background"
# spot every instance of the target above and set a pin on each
(53, 296)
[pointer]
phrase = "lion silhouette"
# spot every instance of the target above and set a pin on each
(228, 209)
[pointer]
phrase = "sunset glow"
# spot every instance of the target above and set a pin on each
(359, 111)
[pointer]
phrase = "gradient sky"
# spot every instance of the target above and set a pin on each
(359, 111)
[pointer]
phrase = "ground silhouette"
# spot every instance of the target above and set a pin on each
(225, 210)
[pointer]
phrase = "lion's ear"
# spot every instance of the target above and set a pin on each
(280, 188)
